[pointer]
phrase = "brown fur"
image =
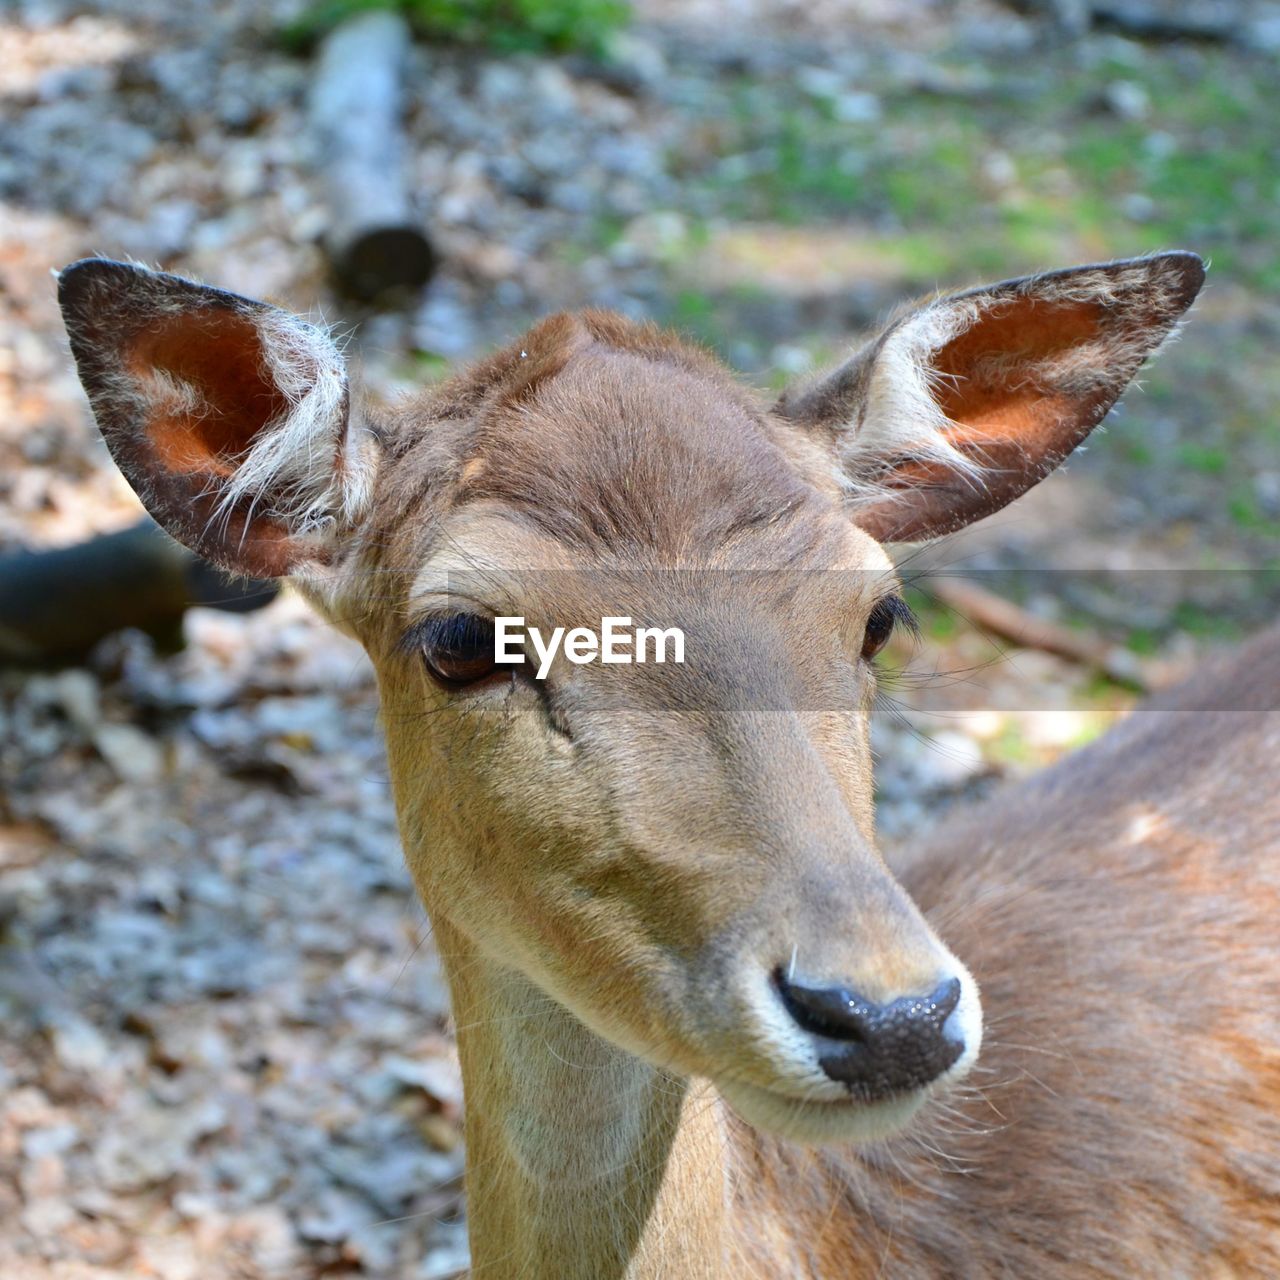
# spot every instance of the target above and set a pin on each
(615, 861)
(606, 436)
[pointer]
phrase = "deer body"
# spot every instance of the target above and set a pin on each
(704, 1030)
(1120, 910)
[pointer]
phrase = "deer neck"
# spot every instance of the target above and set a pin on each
(583, 1162)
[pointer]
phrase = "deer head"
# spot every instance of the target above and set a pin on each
(682, 855)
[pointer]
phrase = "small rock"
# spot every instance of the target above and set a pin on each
(267, 1233)
(1263, 33)
(501, 83)
(133, 755)
(444, 326)
(47, 1216)
(333, 1216)
(1127, 99)
(76, 692)
(792, 359)
(552, 91)
(169, 227)
(172, 1257)
(1138, 207)
(999, 169)
(857, 108)
(438, 1077)
(448, 1254)
(80, 1046)
(652, 237)
(639, 63)
(822, 83)
(56, 1139)
(955, 759)
(1266, 484)
(148, 1144)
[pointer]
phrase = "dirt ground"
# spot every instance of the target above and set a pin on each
(224, 1041)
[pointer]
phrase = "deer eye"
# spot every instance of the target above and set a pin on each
(886, 614)
(457, 647)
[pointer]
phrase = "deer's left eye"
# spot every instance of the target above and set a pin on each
(458, 647)
(886, 614)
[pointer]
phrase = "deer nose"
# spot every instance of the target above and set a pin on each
(877, 1050)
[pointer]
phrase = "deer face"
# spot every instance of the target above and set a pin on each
(682, 853)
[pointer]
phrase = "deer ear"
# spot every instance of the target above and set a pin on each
(968, 400)
(229, 417)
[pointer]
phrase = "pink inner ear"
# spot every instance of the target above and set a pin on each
(1023, 386)
(1002, 379)
(206, 386)
(204, 394)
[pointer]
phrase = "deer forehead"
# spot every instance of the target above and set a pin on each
(622, 450)
(497, 557)
(626, 459)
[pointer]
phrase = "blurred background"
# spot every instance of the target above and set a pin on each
(224, 1042)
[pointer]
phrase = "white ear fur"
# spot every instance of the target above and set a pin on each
(311, 475)
(899, 416)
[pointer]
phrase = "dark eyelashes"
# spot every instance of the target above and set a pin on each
(444, 628)
(902, 613)
(436, 629)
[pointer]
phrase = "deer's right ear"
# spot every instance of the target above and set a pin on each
(229, 417)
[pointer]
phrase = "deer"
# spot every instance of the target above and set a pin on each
(705, 1029)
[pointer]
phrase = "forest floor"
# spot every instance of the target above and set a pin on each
(226, 1049)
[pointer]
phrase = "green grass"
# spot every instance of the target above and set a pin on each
(1143, 641)
(1210, 460)
(1246, 511)
(510, 26)
(1026, 176)
(694, 312)
(1134, 451)
(1011, 746)
(429, 366)
(1205, 623)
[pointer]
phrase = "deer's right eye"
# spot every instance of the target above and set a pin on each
(458, 648)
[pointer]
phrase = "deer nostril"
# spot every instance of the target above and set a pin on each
(886, 1049)
(833, 1012)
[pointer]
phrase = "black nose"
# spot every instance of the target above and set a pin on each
(877, 1050)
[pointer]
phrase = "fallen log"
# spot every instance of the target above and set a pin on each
(1144, 20)
(1000, 617)
(56, 605)
(375, 240)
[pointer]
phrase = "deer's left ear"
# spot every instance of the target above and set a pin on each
(229, 417)
(969, 399)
